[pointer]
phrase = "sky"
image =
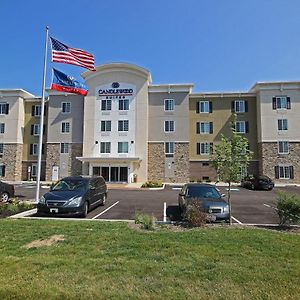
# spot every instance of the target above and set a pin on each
(218, 45)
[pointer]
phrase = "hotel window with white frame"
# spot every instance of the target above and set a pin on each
(1, 148)
(169, 126)
(169, 147)
(106, 104)
(169, 104)
(123, 125)
(282, 124)
(241, 127)
(284, 172)
(65, 127)
(66, 107)
(283, 147)
(204, 148)
(122, 147)
(36, 129)
(204, 107)
(123, 104)
(240, 106)
(4, 107)
(106, 125)
(36, 110)
(34, 170)
(105, 147)
(34, 148)
(2, 127)
(281, 102)
(204, 127)
(64, 148)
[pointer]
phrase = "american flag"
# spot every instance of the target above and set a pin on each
(67, 55)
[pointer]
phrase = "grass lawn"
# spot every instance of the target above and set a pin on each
(103, 260)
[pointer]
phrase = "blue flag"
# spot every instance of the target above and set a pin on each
(65, 83)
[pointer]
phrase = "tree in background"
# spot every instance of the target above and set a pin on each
(229, 157)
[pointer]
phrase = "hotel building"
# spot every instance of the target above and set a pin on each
(128, 129)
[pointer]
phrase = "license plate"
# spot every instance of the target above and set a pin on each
(54, 210)
(212, 218)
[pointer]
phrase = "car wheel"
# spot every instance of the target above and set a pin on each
(103, 200)
(85, 209)
(4, 197)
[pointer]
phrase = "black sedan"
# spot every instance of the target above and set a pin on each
(258, 183)
(208, 197)
(7, 191)
(73, 196)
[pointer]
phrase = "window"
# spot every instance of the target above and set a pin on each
(64, 148)
(169, 104)
(284, 172)
(34, 170)
(282, 124)
(169, 126)
(105, 147)
(4, 107)
(106, 104)
(105, 125)
(169, 148)
(122, 147)
(34, 149)
(204, 127)
(283, 147)
(281, 102)
(244, 172)
(36, 110)
(204, 148)
(123, 125)
(2, 170)
(240, 106)
(124, 104)
(1, 148)
(66, 107)
(241, 127)
(2, 127)
(35, 129)
(204, 107)
(65, 127)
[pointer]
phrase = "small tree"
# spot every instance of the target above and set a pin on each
(229, 157)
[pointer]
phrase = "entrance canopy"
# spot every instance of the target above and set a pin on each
(109, 159)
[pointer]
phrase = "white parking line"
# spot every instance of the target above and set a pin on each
(106, 210)
(267, 205)
(234, 219)
(165, 212)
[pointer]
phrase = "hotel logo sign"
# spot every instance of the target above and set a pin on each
(115, 89)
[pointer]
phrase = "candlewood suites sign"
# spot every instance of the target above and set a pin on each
(115, 89)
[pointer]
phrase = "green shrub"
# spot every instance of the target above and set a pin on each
(146, 221)
(194, 215)
(152, 184)
(288, 208)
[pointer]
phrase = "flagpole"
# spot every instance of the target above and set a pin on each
(38, 179)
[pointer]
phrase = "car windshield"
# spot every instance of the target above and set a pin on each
(202, 192)
(70, 185)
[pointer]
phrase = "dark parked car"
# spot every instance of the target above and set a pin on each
(257, 183)
(73, 196)
(208, 197)
(6, 191)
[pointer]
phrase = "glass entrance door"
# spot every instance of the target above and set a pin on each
(105, 173)
(114, 174)
(123, 174)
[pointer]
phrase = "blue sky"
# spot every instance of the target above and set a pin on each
(219, 45)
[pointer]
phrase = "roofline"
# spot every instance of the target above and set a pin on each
(172, 87)
(16, 92)
(222, 94)
(263, 84)
(118, 65)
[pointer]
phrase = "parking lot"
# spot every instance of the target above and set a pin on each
(248, 207)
